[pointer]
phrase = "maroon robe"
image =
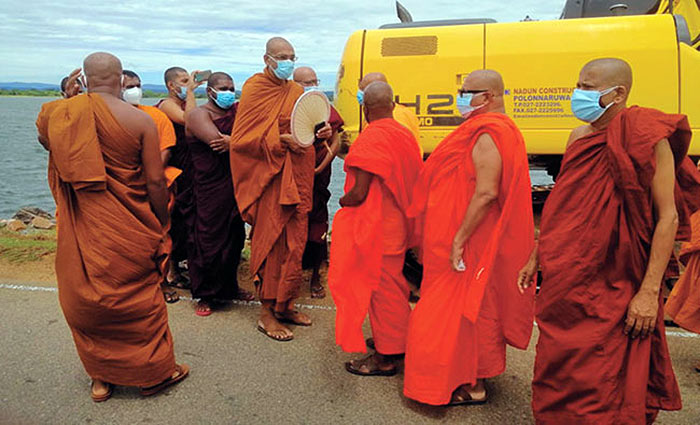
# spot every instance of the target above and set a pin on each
(218, 231)
(595, 241)
(316, 248)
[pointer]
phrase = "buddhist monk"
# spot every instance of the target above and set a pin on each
(402, 114)
(181, 86)
(316, 246)
(606, 236)
(473, 210)
(132, 94)
(273, 179)
(107, 179)
(219, 232)
(683, 304)
(371, 234)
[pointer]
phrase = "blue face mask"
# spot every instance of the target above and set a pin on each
(360, 97)
(182, 94)
(585, 104)
(224, 99)
(464, 104)
(310, 88)
(284, 69)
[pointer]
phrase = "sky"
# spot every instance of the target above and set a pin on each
(44, 40)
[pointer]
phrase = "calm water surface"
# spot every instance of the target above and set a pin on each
(23, 160)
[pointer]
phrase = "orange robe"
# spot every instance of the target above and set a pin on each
(109, 243)
(166, 136)
(406, 117)
(683, 305)
(273, 185)
(370, 240)
(595, 241)
(463, 321)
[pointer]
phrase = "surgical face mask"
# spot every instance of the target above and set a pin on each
(360, 97)
(182, 94)
(585, 104)
(284, 69)
(224, 99)
(310, 88)
(464, 104)
(132, 95)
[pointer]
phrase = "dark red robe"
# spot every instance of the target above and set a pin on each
(218, 232)
(595, 241)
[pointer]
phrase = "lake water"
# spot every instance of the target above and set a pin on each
(23, 160)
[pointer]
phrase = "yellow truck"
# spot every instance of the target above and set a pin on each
(425, 63)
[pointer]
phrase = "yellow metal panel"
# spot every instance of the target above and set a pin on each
(540, 64)
(690, 92)
(348, 76)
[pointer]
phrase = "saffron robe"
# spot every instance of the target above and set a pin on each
(218, 232)
(316, 246)
(370, 240)
(683, 305)
(109, 244)
(596, 232)
(463, 320)
(273, 185)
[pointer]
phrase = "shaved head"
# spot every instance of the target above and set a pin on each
(277, 45)
(486, 79)
(217, 77)
(103, 69)
(371, 78)
(172, 73)
(378, 101)
(305, 76)
(609, 72)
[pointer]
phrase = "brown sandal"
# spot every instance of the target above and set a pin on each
(182, 371)
(372, 368)
(104, 397)
(463, 398)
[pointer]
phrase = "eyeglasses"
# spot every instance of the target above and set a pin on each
(462, 92)
(310, 83)
(292, 58)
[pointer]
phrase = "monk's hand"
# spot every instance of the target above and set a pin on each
(72, 85)
(641, 314)
(221, 144)
(191, 83)
(325, 133)
(456, 256)
(289, 142)
(526, 276)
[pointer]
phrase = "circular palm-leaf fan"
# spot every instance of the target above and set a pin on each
(310, 112)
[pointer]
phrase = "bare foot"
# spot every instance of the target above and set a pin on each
(244, 295)
(467, 394)
(271, 327)
(202, 308)
(294, 317)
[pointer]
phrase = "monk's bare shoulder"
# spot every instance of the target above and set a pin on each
(578, 132)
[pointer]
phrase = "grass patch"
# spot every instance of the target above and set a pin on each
(26, 247)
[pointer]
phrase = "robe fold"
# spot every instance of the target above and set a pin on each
(683, 305)
(218, 232)
(273, 185)
(463, 321)
(182, 208)
(109, 243)
(316, 246)
(370, 240)
(595, 241)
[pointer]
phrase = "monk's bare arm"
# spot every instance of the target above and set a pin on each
(643, 309)
(198, 123)
(577, 133)
(359, 191)
(153, 171)
(488, 164)
(526, 276)
(173, 111)
(165, 156)
(334, 147)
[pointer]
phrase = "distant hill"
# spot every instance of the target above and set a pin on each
(28, 86)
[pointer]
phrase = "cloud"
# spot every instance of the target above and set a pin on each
(45, 40)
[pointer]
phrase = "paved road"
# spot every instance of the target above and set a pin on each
(239, 376)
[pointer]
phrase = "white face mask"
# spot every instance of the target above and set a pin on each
(132, 95)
